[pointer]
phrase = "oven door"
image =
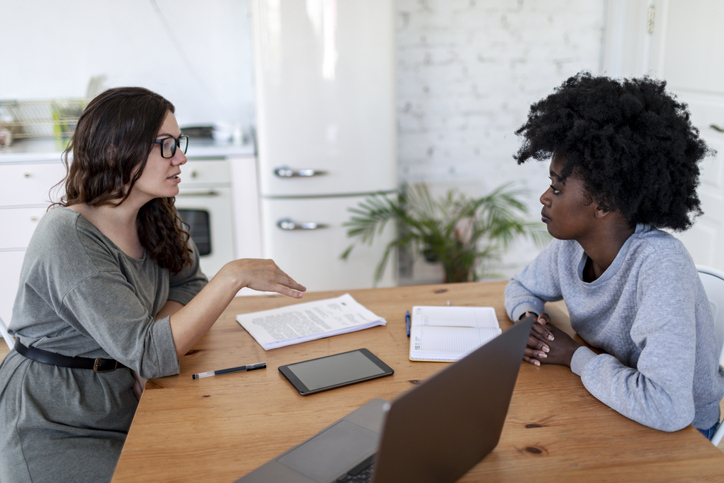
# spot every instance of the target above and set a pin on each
(208, 213)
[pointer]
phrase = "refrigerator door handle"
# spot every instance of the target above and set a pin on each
(198, 193)
(290, 225)
(287, 172)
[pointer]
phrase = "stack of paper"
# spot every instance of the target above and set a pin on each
(308, 321)
(449, 333)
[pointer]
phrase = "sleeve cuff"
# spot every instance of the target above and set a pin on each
(523, 308)
(160, 359)
(581, 357)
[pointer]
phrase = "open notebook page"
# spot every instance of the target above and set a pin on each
(462, 340)
(454, 316)
(450, 333)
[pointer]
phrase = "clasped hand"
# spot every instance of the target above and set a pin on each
(548, 344)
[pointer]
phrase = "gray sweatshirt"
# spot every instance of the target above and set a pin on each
(650, 315)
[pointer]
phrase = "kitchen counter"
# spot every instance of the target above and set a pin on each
(42, 150)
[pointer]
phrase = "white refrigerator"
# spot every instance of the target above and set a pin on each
(324, 75)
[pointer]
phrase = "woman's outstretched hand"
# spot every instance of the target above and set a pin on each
(262, 275)
(190, 323)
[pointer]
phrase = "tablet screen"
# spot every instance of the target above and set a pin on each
(334, 371)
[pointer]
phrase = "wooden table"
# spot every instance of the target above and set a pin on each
(220, 428)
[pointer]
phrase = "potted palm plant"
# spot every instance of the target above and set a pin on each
(455, 230)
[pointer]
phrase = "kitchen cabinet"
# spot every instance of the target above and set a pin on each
(24, 199)
(11, 262)
(30, 183)
(19, 224)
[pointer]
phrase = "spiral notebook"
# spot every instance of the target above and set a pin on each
(447, 334)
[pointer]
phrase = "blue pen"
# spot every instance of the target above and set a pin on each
(407, 322)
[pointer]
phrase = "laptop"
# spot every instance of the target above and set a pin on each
(435, 432)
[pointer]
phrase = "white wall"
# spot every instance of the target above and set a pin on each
(195, 53)
(468, 71)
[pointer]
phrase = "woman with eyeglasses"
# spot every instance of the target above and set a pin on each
(110, 294)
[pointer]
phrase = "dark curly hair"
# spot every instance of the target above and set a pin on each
(110, 147)
(631, 143)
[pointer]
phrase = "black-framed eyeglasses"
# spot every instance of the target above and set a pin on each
(169, 145)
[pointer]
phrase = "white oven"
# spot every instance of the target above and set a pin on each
(205, 203)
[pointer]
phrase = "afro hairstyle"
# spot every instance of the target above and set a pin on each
(631, 143)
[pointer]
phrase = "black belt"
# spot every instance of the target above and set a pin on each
(39, 355)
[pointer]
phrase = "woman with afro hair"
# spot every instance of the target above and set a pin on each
(623, 166)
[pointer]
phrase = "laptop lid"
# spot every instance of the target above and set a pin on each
(439, 430)
(435, 432)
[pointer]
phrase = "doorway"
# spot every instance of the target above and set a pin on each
(682, 42)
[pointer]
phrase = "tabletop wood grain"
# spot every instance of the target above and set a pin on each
(220, 428)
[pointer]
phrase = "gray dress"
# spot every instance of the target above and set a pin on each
(80, 295)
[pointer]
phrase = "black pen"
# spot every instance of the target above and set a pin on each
(250, 367)
(407, 322)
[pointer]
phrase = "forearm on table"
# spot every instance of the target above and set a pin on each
(190, 323)
(664, 403)
(519, 300)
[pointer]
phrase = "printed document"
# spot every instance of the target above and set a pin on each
(303, 322)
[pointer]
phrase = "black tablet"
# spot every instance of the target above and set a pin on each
(337, 370)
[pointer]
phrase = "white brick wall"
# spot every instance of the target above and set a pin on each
(467, 73)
